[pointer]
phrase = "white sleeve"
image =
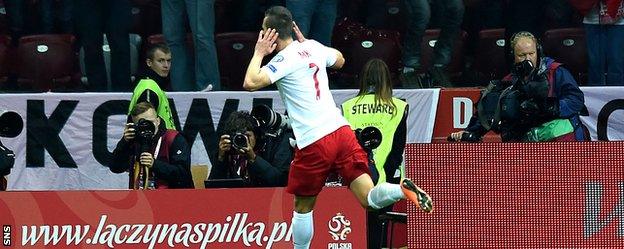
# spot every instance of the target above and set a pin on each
(278, 67)
(331, 57)
(328, 53)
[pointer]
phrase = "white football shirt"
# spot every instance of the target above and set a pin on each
(301, 78)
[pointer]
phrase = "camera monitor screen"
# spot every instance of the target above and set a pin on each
(224, 183)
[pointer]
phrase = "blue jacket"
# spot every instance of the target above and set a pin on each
(571, 98)
(564, 88)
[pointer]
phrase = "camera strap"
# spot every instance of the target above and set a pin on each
(145, 170)
(157, 148)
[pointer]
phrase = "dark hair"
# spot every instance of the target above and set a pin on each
(375, 78)
(239, 121)
(280, 19)
(141, 108)
(153, 48)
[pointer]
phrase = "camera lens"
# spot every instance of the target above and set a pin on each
(264, 114)
(144, 132)
(239, 141)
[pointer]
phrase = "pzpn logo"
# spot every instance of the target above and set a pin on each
(339, 228)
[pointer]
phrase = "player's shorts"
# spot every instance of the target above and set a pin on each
(338, 151)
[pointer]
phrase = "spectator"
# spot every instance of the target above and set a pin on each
(201, 71)
(156, 159)
(148, 88)
(536, 16)
(418, 14)
(604, 29)
(111, 17)
(536, 103)
(264, 162)
(246, 15)
(49, 16)
(376, 91)
(315, 18)
(157, 66)
(15, 17)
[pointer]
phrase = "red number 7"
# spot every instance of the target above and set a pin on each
(316, 82)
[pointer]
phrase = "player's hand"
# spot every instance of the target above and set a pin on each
(129, 132)
(225, 144)
(147, 159)
(266, 42)
(298, 33)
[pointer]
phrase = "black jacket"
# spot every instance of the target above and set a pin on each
(176, 170)
(270, 169)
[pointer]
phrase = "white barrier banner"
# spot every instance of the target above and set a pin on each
(69, 137)
(606, 113)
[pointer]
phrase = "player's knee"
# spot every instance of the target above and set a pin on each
(304, 205)
(364, 204)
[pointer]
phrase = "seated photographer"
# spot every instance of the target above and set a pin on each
(257, 152)
(155, 156)
(539, 100)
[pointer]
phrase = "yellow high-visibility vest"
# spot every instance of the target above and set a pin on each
(362, 112)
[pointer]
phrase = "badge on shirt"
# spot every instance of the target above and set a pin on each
(272, 68)
(278, 58)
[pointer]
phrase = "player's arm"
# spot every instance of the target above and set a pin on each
(254, 77)
(340, 60)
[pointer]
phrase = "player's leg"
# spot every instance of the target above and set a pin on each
(385, 194)
(303, 221)
(352, 164)
(306, 178)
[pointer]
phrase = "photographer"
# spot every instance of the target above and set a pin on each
(258, 152)
(156, 157)
(11, 125)
(539, 101)
(7, 158)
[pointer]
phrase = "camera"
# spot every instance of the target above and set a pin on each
(7, 159)
(268, 119)
(369, 138)
(523, 69)
(11, 125)
(144, 130)
(239, 140)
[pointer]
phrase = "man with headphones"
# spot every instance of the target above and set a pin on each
(538, 101)
(250, 152)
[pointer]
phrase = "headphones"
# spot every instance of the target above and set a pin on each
(525, 34)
